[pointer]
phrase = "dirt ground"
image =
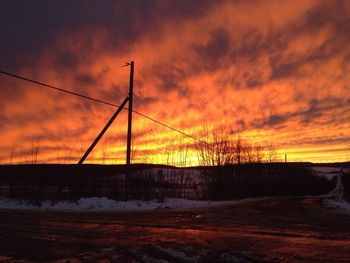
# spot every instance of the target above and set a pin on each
(283, 229)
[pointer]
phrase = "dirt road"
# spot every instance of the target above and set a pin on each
(271, 230)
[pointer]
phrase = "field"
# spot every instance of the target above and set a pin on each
(276, 229)
(146, 182)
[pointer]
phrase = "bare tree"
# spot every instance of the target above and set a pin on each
(259, 154)
(219, 147)
(34, 152)
(216, 148)
(182, 149)
(66, 155)
(238, 151)
(104, 151)
(13, 147)
(248, 153)
(204, 147)
(271, 152)
(167, 154)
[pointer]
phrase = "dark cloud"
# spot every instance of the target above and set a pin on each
(169, 80)
(311, 116)
(211, 54)
(324, 16)
(276, 119)
(323, 141)
(169, 77)
(66, 60)
(27, 28)
(250, 45)
(114, 94)
(60, 134)
(143, 101)
(282, 70)
(241, 125)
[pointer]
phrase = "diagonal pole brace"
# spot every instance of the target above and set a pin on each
(103, 131)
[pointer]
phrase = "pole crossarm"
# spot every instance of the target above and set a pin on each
(103, 131)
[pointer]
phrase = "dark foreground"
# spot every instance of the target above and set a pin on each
(271, 230)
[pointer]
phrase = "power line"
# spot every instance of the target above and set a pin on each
(169, 127)
(44, 24)
(45, 67)
(99, 101)
(58, 89)
(53, 29)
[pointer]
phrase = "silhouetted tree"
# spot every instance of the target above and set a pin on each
(238, 151)
(271, 152)
(259, 154)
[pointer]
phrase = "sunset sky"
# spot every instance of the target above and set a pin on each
(271, 72)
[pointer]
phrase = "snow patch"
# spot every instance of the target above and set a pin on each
(335, 197)
(337, 203)
(327, 172)
(177, 256)
(338, 191)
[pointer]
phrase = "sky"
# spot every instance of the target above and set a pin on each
(270, 72)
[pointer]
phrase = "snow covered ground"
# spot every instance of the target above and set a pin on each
(337, 203)
(335, 198)
(103, 203)
(327, 172)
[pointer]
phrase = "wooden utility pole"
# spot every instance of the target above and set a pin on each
(131, 87)
(127, 99)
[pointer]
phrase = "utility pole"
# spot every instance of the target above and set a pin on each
(127, 99)
(131, 87)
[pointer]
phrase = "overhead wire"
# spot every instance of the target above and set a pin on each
(58, 89)
(53, 29)
(47, 26)
(32, 63)
(99, 101)
(81, 95)
(44, 24)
